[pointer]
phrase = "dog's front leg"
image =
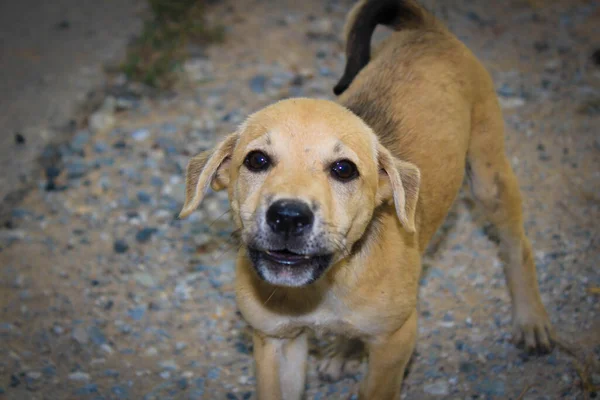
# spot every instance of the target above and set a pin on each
(388, 358)
(280, 366)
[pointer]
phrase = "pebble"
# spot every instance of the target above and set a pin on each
(103, 119)
(76, 169)
(140, 135)
(96, 335)
(144, 235)
(170, 365)
(80, 140)
(321, 29)
(79, 376)
(492, 387)
(258, 84)
(100, 147)
(145, 279)
(120, 246)
(137, 313)
(80, 335)
(437, 388)
(151, 352)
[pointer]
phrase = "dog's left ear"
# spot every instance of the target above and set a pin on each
(209, 168)
(399, 180)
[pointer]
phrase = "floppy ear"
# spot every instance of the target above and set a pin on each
(209, 168)
(399, 180)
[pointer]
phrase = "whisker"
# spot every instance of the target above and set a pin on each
(271, 295)
(218, 218)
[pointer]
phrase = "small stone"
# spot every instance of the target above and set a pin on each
(140, 135)
(49, 371)
(596, 57)
(324, 71)
(79, 376)
(79, 141)
(14, 381)
(437, 388)
(321, 29)
(96, 335)
(76, 169)
(88, 389)
(511, 102)
(151, 352)
(63, 25)
(182, 383)
(103, 119)
(120, 144)
(119, 391)
(448, 317)
(144, 235)
(179, 346)
(213, 374)
(80, 335)
(120, 246)
(144, 197)
(19, 138)
(100, 147)
(492, 387)
(106, 348)
(467, 367)
(137, 313)
(506, 91)
(165, 375)
(170, 365)
(258, 83)
(111, 373)
(144, 279)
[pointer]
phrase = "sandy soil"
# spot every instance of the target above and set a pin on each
(104, 294)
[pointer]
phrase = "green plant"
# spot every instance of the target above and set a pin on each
(161, 48)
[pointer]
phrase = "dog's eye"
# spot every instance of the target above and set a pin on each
(344, 170)
(257, 161)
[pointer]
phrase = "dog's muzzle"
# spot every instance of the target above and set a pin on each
(286, 252)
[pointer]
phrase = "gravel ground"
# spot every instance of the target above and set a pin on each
(105, 295)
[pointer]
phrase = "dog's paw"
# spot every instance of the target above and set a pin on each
(334, 368)
(533, 331)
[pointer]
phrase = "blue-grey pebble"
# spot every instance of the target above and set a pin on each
(258, 83)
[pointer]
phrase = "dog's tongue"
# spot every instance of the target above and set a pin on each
(286, 257)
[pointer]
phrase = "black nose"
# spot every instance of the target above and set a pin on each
(289, 217)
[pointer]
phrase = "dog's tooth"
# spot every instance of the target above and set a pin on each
(268, 252)
(306, 257)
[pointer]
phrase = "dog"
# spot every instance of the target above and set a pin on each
(336, 202)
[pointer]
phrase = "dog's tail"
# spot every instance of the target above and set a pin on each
(361, 23)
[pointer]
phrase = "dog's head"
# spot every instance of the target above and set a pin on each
(304, 179)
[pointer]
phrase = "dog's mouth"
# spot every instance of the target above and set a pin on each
(286, 257)
(288, 268)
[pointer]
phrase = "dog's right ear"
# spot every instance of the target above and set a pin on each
(209, 168)
(399, 180)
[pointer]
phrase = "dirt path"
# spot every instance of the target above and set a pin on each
(104, 294)
(51, 57)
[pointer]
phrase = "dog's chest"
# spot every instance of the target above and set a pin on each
(332, 316)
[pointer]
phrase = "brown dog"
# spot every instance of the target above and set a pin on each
(337, 202)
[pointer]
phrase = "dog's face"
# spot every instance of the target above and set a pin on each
(304, 178)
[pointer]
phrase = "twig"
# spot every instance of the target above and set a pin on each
(593, 290)
(524, 392)
(582, 367)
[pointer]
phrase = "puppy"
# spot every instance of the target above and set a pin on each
(336, 202)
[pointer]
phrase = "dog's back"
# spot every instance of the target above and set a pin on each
(421, 91)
